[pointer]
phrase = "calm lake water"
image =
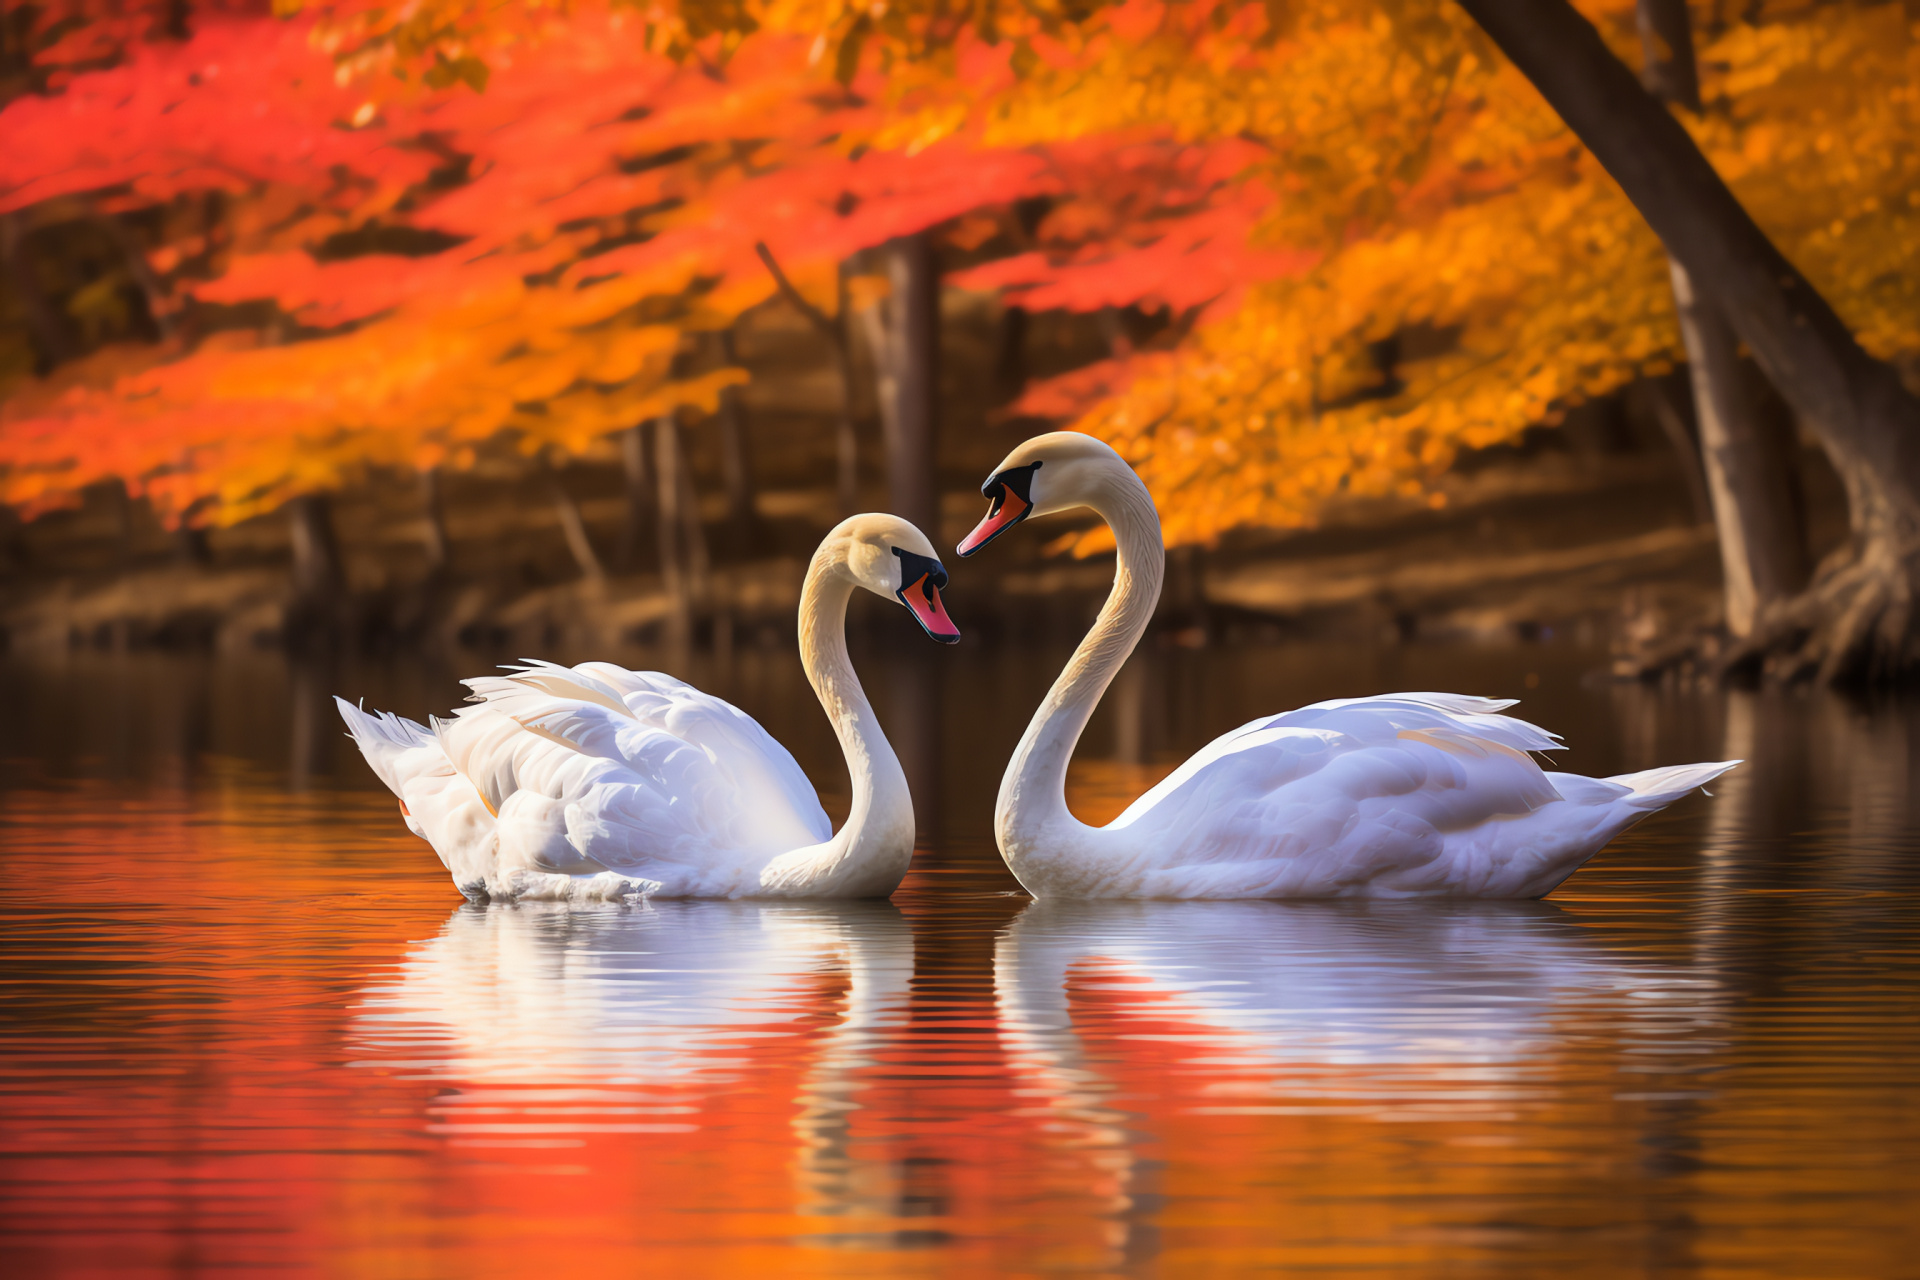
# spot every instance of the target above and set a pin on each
(249, 1025)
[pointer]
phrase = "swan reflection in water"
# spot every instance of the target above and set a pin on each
(1274, 1036)
(553, 1023)
(1466, 983)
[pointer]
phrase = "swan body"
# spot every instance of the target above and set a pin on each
(597, 783)
(1402, 795)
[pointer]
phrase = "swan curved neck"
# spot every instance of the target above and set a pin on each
(870, 852)
(1032, 816)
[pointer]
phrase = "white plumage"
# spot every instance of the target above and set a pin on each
(1397, 795)
(632, 779)
(1401, 795)
(597, 783)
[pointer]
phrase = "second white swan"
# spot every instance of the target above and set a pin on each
(598, 783)
(1402, 795)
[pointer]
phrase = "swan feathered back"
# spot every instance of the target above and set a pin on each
(667, 731)
(577, 770)
(1282, 748)
(1405, 793)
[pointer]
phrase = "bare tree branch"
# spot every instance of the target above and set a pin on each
(819, 319)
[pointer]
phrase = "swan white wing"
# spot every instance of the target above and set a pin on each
(632, 772)
(1339, 796)
(1273, 750)
(569, 701)
(1405, 794)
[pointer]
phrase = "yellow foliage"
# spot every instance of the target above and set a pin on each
(1451, 208)
(234, 432)
(1459, 267)
(1445, 205)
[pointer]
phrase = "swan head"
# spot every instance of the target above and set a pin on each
(891, 558)
(1054, 472)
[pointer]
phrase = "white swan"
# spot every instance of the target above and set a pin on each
(597, 783)
(1402, 795)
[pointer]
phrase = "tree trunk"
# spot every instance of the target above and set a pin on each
(837, 330)
(1857, 620)
(51, 336)
(134, 255)
(1666, 50)
(846, 461)
(1010, 354)
(122, 502)
(190, 546)
(1658, 398)
(846, 440)
(1749, 468)
(316, 550)
(434, 521)
(736, 460)
(673, 577)
(319, 580)
(574, 527)
(190, 541)
(633, 459)
(13, 549)
(1763, 547)
(693, 535)
(904, 334)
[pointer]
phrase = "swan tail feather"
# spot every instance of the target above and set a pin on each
(1658, 788)
(382, 737)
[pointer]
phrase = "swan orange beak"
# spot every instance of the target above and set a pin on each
(1002, 516)
(1012, 495)
(921, 578)
(922, 599)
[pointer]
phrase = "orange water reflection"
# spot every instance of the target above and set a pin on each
(249, 1030)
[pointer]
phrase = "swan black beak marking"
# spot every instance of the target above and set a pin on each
(920, 581)
(1011, 492)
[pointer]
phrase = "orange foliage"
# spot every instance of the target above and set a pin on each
(1472, 270)
(1379, 247)
(456, 265)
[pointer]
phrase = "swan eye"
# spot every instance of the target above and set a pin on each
(1018, 480)
(914, 567)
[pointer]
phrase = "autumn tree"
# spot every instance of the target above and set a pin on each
(1859, 618)
(1746, 448)
(1375, 243)
(440, 264)
(1456, 225)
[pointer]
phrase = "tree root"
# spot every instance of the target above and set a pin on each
(1853, 625)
